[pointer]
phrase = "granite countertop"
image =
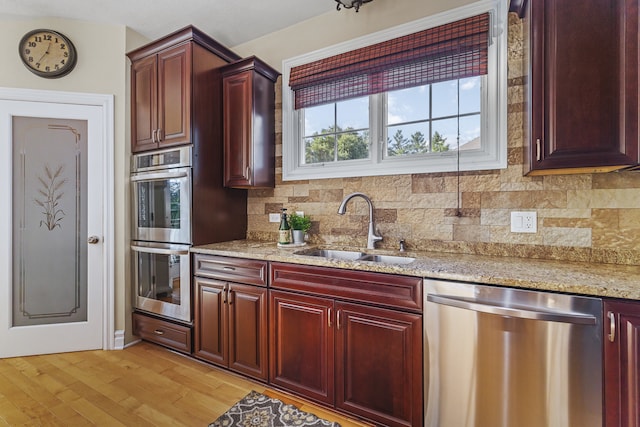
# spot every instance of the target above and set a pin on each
(609, 280)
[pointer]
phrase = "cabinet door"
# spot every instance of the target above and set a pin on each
(379, 364)
(584, 85)
(248, 330)
(144, 113)
(622, 364)
(211, 314)
(237, 124)
(174, 96)
(301, 345)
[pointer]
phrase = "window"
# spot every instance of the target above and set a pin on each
(336, 132)
(398, 127)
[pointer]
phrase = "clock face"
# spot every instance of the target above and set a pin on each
(47, 53)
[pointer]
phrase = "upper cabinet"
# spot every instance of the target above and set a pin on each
(169, 78)
(248, 96)
(583, 77)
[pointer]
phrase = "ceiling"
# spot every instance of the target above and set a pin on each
(230, 22)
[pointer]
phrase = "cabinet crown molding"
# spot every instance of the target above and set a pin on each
(188, 33)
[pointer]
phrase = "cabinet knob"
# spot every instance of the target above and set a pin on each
(159, 135)
(538, 153)
(158, 332)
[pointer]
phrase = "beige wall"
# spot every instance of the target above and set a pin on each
(102, 68)
(584, 217)
(335, 27)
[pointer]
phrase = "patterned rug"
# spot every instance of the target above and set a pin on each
(258, 410)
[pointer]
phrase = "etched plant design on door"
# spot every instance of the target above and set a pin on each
(50, 193)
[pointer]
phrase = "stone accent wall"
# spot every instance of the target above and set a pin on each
(586, 217)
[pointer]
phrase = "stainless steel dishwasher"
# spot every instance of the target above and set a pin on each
(503, 357)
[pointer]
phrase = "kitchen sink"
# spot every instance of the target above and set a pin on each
(326, 253)
(387, 259)
(356, 256)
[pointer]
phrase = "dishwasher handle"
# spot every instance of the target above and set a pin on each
(518, 312)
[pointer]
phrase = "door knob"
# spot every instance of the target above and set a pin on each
(93, 240)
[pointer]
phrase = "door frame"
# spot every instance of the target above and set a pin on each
(106, 103)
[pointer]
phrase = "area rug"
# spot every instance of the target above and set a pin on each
(258, 410)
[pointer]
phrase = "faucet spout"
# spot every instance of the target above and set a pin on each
(372, 237)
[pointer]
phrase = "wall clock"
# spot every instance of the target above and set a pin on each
(47, 53)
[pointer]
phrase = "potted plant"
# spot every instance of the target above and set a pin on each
(300, 224)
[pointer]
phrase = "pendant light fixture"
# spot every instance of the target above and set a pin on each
(348, 4)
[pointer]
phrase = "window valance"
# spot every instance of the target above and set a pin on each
(447, 52)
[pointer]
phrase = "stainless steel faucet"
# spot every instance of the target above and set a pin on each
(372, 237)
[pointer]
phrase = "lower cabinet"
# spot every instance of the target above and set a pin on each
(358, 358)
(163, 332)
(230, 324)
(378, 364)
(302, 345)
(622, 363)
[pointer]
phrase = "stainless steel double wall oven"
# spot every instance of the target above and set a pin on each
(162, 187)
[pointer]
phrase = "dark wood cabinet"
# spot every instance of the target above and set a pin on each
(161, 105)
(249, 124)
(622, 363)
(175, 90)
(302, 345)
(163, 332)
(231, 318)
(583, 75)
(353, 344)
(379, 364)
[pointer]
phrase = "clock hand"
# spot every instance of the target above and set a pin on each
(45, 53)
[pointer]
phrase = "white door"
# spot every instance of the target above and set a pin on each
(52, 287)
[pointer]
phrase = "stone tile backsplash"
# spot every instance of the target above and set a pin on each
(586, 217)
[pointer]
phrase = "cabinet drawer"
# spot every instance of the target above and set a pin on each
(177, 337)
(390, 290)
(240, 270)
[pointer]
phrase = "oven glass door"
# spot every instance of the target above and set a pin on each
(162, 206)
(162, 278)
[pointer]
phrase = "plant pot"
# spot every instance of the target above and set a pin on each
(298, 236)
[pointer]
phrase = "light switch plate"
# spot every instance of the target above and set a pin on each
(274, 217)
(524, 222)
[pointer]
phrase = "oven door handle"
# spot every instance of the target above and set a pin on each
(158, 176)
(160, 251)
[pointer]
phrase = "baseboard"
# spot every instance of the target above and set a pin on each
(133, 343)
(118, 339)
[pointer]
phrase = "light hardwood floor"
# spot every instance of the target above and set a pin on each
(143, 385)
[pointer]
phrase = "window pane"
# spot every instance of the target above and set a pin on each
(470, 132)
(353, 114)
(319, 149)
(445, 135)
(408, 105)
(353, 145)
(318, 119)
(408, 139)
(445, 99)
(470, 95)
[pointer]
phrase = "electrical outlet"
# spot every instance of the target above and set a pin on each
(524, 222)
(274, 217)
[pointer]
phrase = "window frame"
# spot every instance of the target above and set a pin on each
(493, 154)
